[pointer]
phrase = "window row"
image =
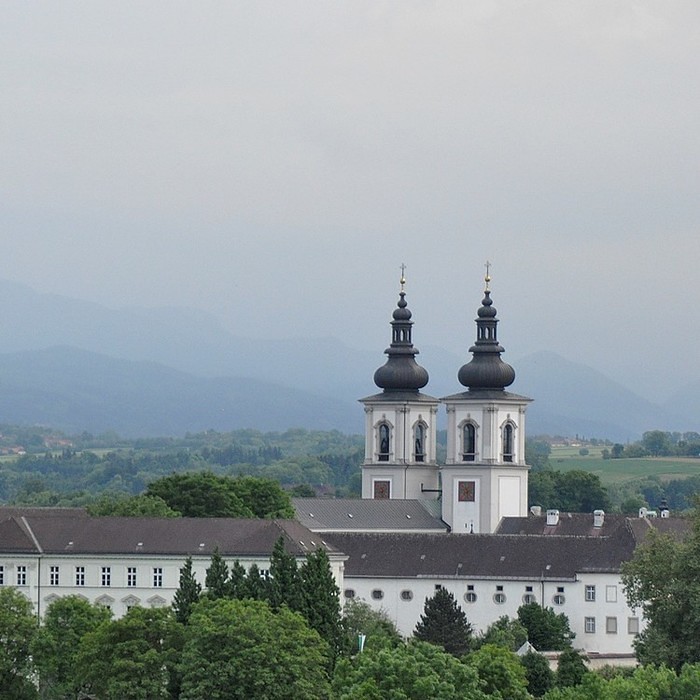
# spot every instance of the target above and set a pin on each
(499, 597)
(21, 577)
(468, 441)
(589, 625)
(384, 441)
(610, 594)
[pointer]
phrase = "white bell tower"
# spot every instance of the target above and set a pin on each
(400, 423)
(485, 477)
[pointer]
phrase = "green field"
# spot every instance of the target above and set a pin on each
(618, 471)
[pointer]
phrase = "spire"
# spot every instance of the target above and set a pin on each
(486, 369)
(401, 371)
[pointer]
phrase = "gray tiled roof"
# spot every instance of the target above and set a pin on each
(366, 515)
(80, 534)
(483, 556)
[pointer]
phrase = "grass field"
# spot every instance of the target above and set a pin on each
(618, 471)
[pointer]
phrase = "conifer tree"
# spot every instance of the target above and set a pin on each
(187, 594)
(285, 580)
(217, 580)
(445, 624)
(237, 581)
(321, 599)
(255, 585)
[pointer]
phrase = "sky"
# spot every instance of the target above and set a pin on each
(274, 164)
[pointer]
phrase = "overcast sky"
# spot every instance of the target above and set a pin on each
(275, 163)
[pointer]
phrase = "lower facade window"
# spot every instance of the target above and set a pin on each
(377, 594)
(349, 593)
(559, 599)
(53, 576)
(106, 579)
(529, 598)
(589, 625)
(2, 575)
(406, 595)
(131, 576)
(79, 575)
(611, 625)
(157, 577)
(632, 625)
(21, 575)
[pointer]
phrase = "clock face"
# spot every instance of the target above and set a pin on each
(381, 489)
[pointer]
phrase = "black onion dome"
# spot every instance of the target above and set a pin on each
(486, 369)
(401, 371)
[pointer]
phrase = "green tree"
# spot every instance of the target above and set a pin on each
(506, 633)
(657, 443)
(55, 647)
(256, 585)
(444, 623)
(131, 506)
(571, 668)
(187, 594)
(540, 677)
(200, 495)
(500, 671)
(285, 586)
(131, 658)
(217, 582)
(546, 630)
(240, 649)
(663, 580)
(264, 497)
(360, 618)
(321, 599)
(413, 671)
(18, 626)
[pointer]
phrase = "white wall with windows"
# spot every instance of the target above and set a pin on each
(116, 582)
(604, 626)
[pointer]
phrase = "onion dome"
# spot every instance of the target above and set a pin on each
(401, 371)
(486, 369)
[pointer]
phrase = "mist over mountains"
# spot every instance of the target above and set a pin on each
(76, 365)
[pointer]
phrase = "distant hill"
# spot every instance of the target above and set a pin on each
(75, 390)
(77, 365)
(572, 399)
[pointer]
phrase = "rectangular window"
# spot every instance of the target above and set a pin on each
(106, 575)
(2, 575)
(632, 625)
(611, 594)
(589, 625)
(21, 575)
(590, 593)
(382, 489)
(611, 625)
(53, 576)
(131, 577)
(79, 575)
(466, 491)
(157, 577)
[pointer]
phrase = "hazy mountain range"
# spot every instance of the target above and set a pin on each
(76, 365)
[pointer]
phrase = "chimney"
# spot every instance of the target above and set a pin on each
(552, 517)
(536, 511)
(598, 518)
(643, 512)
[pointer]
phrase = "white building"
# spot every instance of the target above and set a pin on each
(48, 553)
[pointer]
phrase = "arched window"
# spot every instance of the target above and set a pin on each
(384, 442)
(419, 441)
(468, 442)
(508, 442)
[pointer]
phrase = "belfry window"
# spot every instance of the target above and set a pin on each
(508, 442)
(468, 442)
(384, 443)
(419, 439)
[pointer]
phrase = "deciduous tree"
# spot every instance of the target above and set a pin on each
(55, 647)
(18, 626)
(546, 630)
(240, 649)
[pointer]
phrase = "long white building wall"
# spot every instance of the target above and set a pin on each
(611, 632)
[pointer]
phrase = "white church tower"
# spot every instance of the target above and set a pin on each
(400, 423)
(485, 477)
